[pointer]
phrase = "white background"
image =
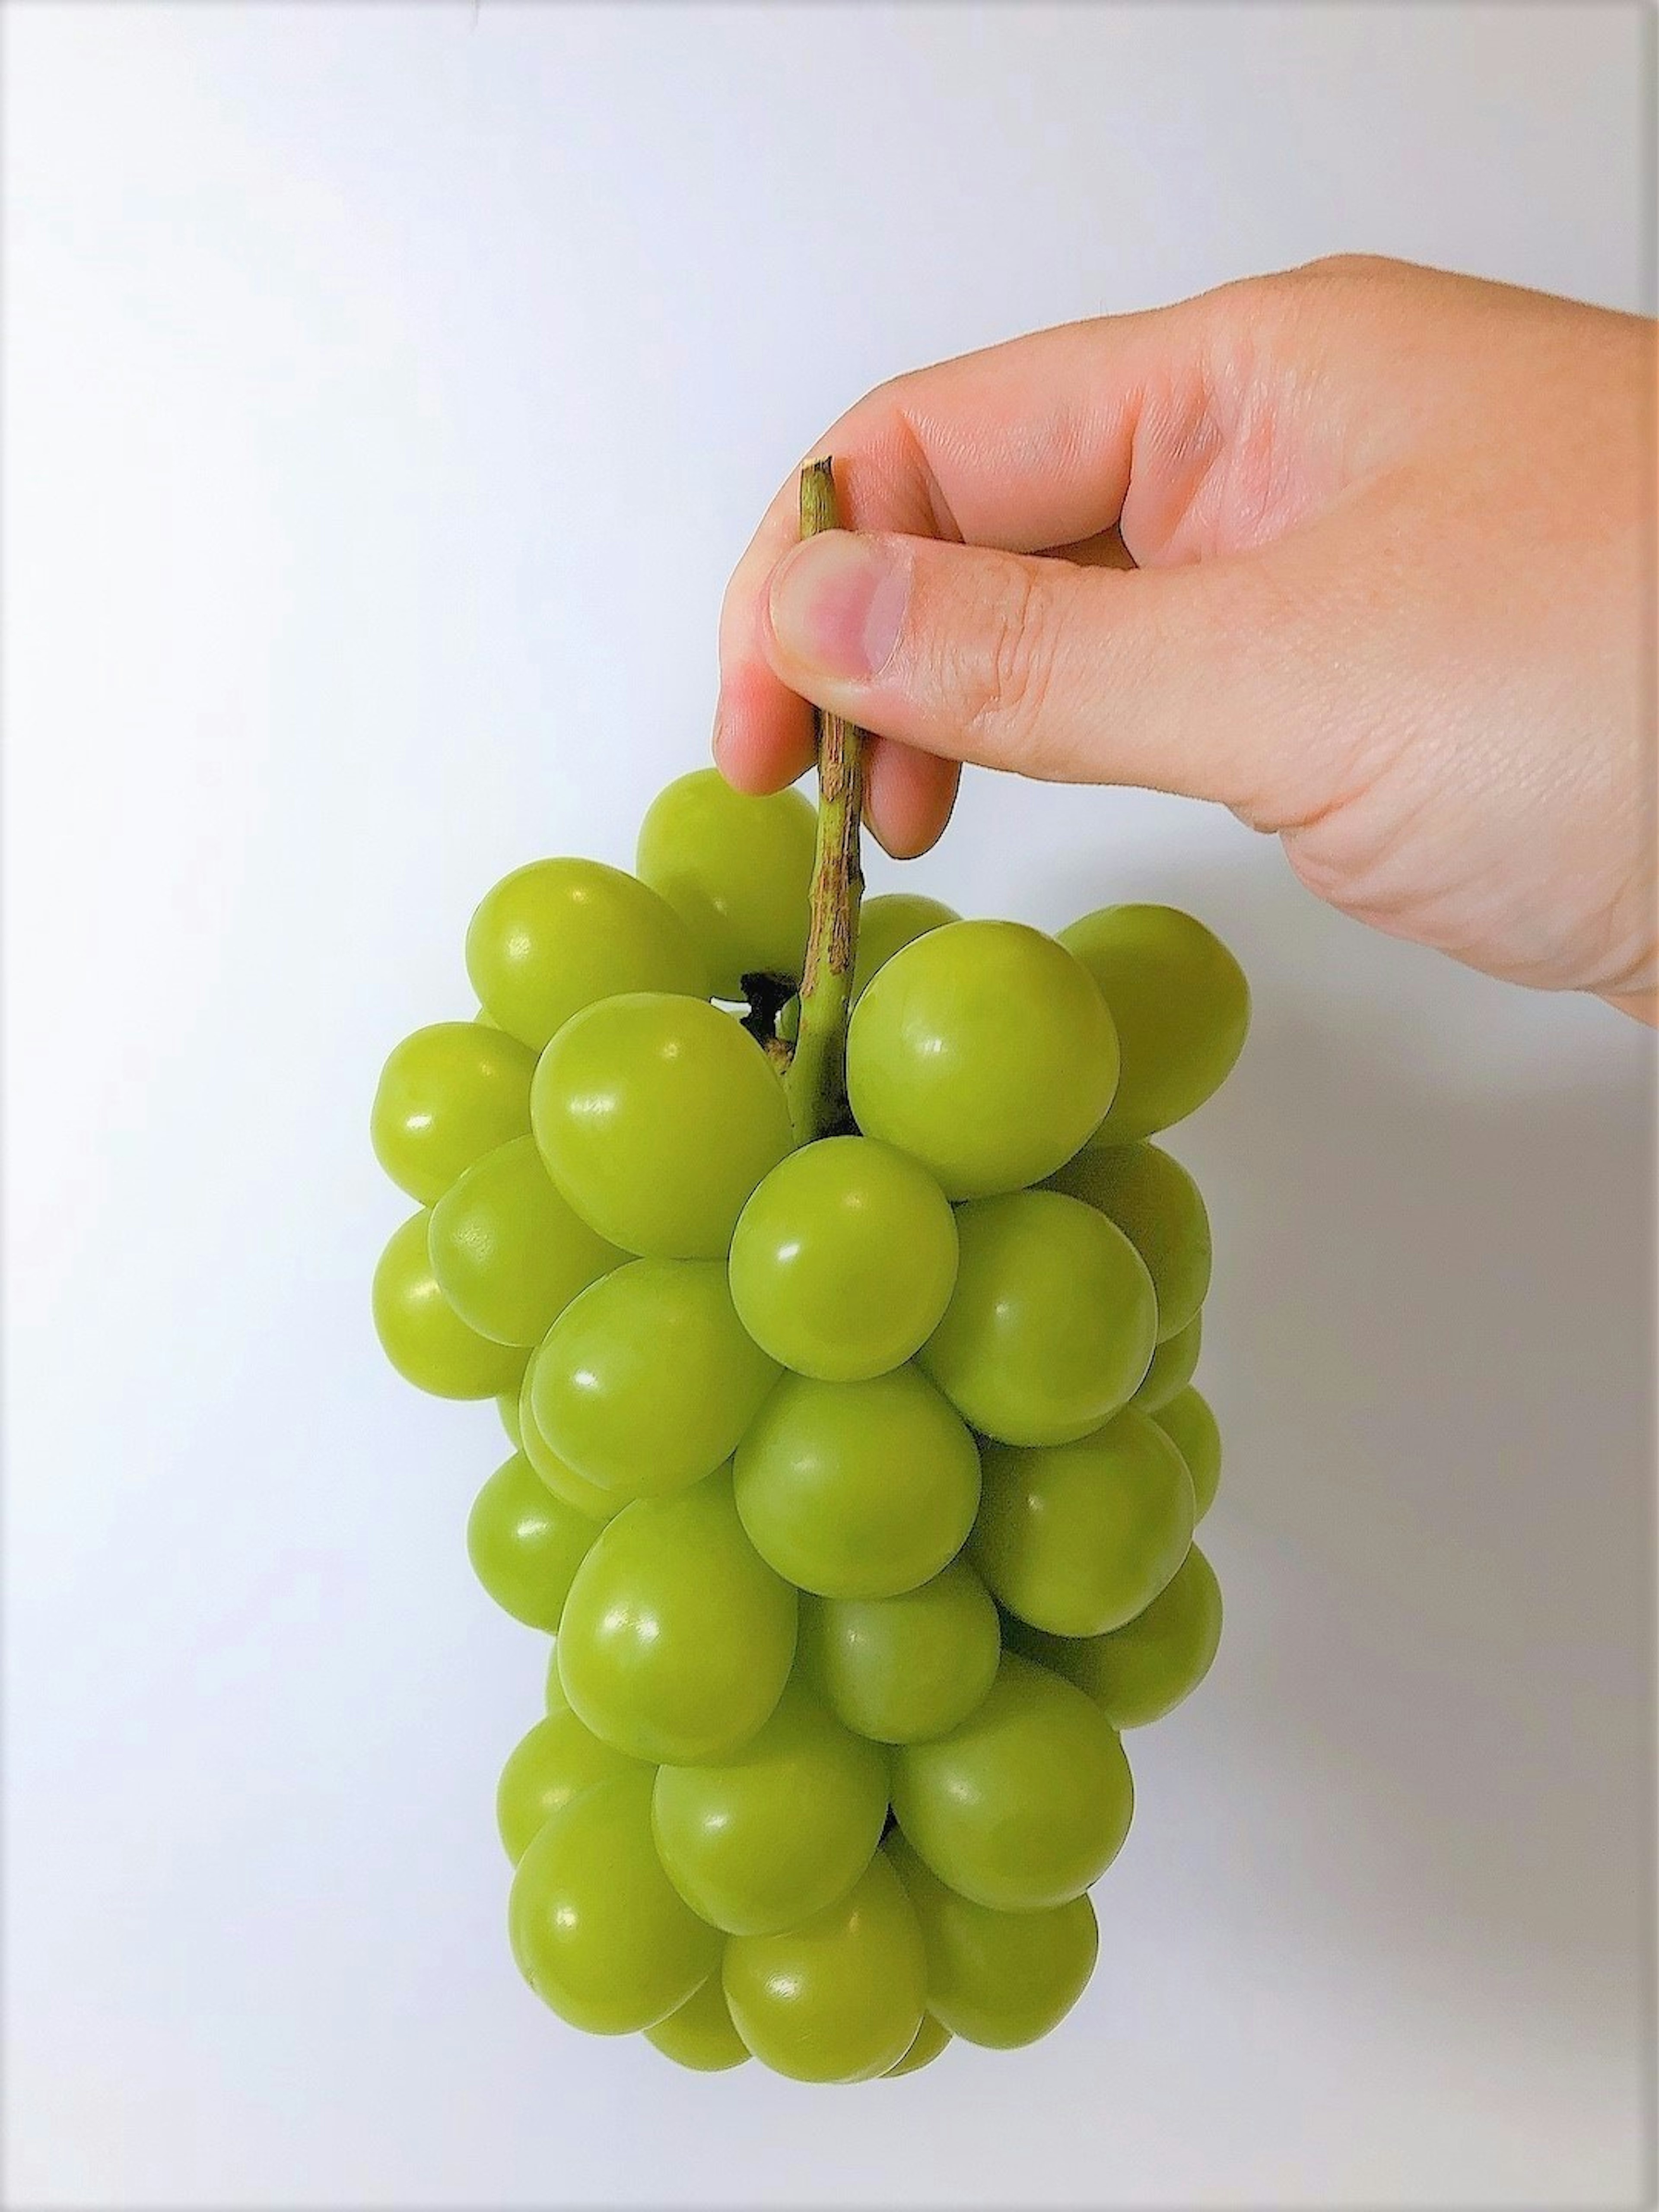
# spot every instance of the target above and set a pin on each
(388, 392)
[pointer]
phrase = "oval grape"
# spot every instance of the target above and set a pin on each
(447, 1096)
(1155, 1202)
(1186, 1421)
(735, 869)
(422, 1333)
(900, 1669)
(525, 1545)
(509, 1253)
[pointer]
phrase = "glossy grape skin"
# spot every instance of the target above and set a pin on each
(509, 1253)
(1079, 1538)
(900, 1669)
(781, 1829)
(1053, 1321)
(562, 1480)
(448, 1095)
(506, 1404)
(598, 1930)
(423, 1335)
(735, 869)
(838, 1997)
(657, 1116)
(887, 923)
(1171, 1369)
(931, 2038)
(524, 1544)
(555, 1762)
(1143, 1670)
(1190, 1425)
(646, 1382)
(1027, 1803)
(554, 1697)
(983, 1050)
(1181, 1006)
(677, 1637)
(1155, 1202)
(555, 936)
(1002, 1980)
(700, 2034)
(843, 1260)
(857, 1489)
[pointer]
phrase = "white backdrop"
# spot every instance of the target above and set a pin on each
(387, 393)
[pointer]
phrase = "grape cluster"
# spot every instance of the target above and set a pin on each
(854, 1478)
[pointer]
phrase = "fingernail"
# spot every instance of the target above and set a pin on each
(838, 603)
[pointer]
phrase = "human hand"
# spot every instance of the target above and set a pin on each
(1363, 551)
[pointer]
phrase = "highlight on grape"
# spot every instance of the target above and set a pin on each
(840, 1312)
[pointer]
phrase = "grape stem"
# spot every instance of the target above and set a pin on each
(816, 1077)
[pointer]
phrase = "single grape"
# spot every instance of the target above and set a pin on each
(857, 1489)
(1052, 1323)
(657, 1116)
(646, 1382)
(1144, 1669)
(998, 1978)
(506, 1404)
(598, 1931)
(930, 2039)
(1079, 1538)
(556, 1761)
(839, 1996)
(509, 1253)
(422, 1333)
(563, 1481)
(735, 869)
(700, 2034)
(677, 1637)
(1155, 1202)
(448, 1094)
(1027, 1803)
(524, 1544)
(842, 1261)
(985, 1051)
(887, 923)
(1181, 1006)
(1186, 1421)
(1171, 1369)
(555, 1699)
(554, 937)
(782, 1829)
(900, 1669)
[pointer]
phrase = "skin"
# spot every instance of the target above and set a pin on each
(1363, 551)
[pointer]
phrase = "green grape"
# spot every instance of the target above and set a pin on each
(839, 1996)
(657, 1116)
(448, 1094)
(423, 1335)
(1052, 1321)
(509, 1253)
(984, 1050)
(999, 1978)
(1158, 1205)
(700, 2035)
(646, 1382)
(563, 1481)
(554, 937)
(857, 1489)
(887, 924)
(900, 1669)
(556, 1761)
(1171, 1369)
(782, 1829)
(1027, 1803)
(555, 1699)
(736, 871)
(598, 1931)
(677, 1637)
(506, 1404)
(1077, 1538)
(524, 1544)
(1181, 1006)
(1186, 1421)
(1144, 1669)
(930, 2039)
(843, 1260)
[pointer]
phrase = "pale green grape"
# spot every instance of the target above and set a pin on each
(1052, 1323)
(562, 1480)
(839, 1996)
(448, 1095)
(784, 1826)
(930, 2039)
(843, 1260)
(554, 937)
(1181, 1006)
(1026, 1802)
(1186, 1421)
(677, 1637)
(657, 1116)
(506, 1404)
(857, 1489)
(700, 2034)
(735, 869)
(1079, 1538)
(524, 1544)
(900, 1669)
(555, 1699)
(556, 1761)
(887, 923)
(509, 1253)
(985, 1051)
(422, 1333)
(1144, 1669)
(646, 1382)
(1171, 1369)
(1158, 1205)
(598, 1931)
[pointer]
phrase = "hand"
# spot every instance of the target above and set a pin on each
(1363, 551)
